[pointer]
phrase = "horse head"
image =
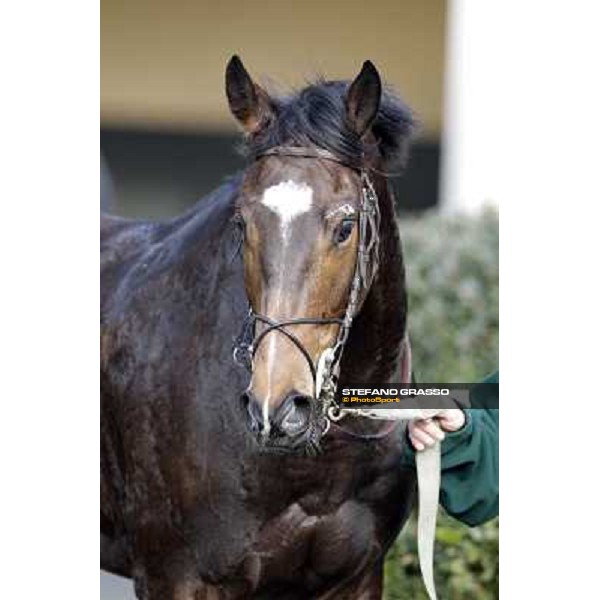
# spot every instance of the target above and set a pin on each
(309, 216)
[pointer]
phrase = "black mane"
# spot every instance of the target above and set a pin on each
(316, 116)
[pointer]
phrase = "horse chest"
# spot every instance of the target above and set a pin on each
(296, 547)
(310, 521)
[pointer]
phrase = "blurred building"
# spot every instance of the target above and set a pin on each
(167, 134)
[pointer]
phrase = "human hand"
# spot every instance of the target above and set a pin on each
(425, 432)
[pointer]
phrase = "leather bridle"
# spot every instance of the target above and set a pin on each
(325, 373)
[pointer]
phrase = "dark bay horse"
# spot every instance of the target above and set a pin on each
(221, 483)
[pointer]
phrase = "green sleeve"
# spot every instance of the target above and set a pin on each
(469, 488)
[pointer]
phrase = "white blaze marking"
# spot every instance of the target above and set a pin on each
(266, 422)
(288, 199)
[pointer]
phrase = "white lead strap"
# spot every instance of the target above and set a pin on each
(428, 463)
(428, 478)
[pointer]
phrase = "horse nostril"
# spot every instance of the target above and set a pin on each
(252, 410)
(295, 413)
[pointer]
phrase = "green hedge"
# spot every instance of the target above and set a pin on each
(452, 274)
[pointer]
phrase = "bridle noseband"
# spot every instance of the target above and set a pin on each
(325, 373)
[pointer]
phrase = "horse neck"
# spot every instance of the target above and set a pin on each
(378, 330)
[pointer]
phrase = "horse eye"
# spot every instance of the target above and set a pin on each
(343, 231)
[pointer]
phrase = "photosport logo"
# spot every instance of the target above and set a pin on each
(413, 395)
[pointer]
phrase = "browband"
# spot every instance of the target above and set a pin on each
(306, 152)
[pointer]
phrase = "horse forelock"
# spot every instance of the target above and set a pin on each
(317, 116)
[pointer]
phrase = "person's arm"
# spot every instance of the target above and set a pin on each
(469, 487)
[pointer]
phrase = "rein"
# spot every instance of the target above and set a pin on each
(388, 429)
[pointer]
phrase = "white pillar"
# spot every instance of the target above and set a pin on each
(472, 164)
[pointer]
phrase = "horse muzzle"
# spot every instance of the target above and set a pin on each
(287, 425)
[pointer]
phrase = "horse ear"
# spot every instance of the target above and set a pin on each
(363, 98)
(248, 102)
